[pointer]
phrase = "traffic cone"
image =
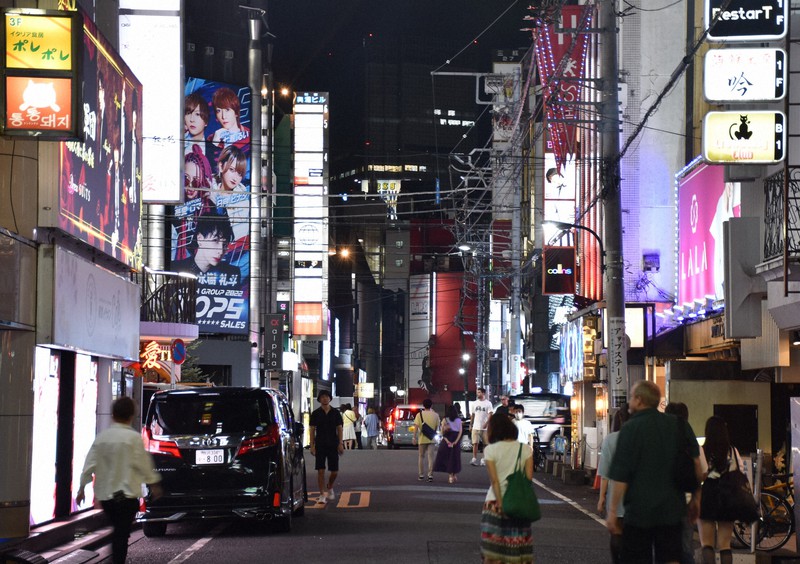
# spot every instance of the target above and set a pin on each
(596, 484)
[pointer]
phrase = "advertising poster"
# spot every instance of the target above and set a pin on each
(100, 178)
(85, 426)
(210, 231)
(705, 202)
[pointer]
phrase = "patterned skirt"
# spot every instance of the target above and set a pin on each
(504, 539)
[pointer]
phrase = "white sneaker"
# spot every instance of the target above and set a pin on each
(331, 494)
(322, 499)
(474, 462)
(483, 462)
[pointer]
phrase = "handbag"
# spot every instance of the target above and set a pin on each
(519, 501)
(736, 499)
(685, 475)
(426, 429)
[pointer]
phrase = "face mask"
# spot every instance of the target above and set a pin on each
(518, 415)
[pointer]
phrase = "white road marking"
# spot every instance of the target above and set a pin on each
(189, 552)
(569, 501)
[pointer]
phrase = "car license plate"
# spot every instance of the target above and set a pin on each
(209, 456)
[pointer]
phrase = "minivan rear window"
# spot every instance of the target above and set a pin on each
(209, 415)
(403, 414)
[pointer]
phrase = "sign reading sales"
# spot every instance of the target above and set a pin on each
(744, 137)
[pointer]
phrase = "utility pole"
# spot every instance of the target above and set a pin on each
(614, 284)
(255, 72)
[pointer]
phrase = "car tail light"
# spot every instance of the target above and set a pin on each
(276, 500)
(270, 438)
(390, 426)
(170, 448)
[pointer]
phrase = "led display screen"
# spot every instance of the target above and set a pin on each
(150, 41)
(100, 178)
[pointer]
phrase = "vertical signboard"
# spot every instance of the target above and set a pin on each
(150, 41)
(99, 200)
(744, 137)
(310, 210)
(39, 96)
(210, 231)
(273, 342)
(705, 202)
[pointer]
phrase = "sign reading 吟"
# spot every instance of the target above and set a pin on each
(744, 137)
(744, 75)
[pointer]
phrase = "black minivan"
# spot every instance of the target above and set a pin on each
(224, 452)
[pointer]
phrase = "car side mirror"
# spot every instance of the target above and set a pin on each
(298, 429)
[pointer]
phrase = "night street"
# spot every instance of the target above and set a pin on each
(383, 513)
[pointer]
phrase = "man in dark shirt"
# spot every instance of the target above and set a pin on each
(325, 428)
(504, 408)
(643, 472)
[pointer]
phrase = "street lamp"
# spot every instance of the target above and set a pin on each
(562, 226)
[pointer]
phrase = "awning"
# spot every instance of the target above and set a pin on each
(670, 343)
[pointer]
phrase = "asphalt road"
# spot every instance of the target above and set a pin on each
(383, 514)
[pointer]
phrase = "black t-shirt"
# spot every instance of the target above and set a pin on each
(325, 425)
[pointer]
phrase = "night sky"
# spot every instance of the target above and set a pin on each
(314, 37)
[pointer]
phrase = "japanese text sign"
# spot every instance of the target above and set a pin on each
(35, 41)
(744, 75)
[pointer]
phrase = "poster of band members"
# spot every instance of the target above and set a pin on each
(100, 178)
(211, 229)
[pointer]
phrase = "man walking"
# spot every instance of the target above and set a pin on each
(325, 429)
(120, 466)
(426, 444)
(481, 410)
(643, 474)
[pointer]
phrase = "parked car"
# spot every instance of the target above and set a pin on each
(548, 409)
(224, 452)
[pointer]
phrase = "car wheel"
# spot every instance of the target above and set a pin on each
(151, 530)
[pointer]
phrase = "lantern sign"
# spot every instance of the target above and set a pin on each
(746, 20)
(745, 137)
(744, 75)
(40, 67)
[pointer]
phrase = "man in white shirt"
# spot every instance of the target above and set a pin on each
(481, 410)
(120, 466)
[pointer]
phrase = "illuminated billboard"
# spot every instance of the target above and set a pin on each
(744, 137)
(150, 41)
(705, 201)
(744, 75)
(310, 119)
(210, 230)
(40, 69)
(558, 270)
(99, 201)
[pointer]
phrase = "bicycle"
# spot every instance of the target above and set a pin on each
(776, 524)
(538, 451)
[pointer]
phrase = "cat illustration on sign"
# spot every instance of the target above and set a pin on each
(39, 95)
(743, 129)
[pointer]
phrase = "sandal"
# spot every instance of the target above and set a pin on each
(430, 478)
(421, 477)
(450, 480)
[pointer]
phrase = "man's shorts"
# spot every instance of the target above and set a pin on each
(330, 455)
(638, 543)
(478, 435)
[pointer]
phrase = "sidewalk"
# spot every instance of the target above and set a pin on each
(79, 539)
(578, 486)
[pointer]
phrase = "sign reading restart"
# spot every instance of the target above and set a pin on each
(743, 20)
